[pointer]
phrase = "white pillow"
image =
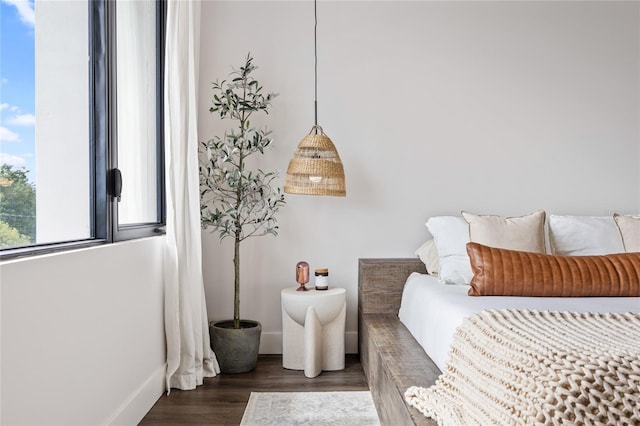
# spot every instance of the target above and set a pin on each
(629, 227)
(451, 235)
(428, 254)
(524, 233)
(584, 235)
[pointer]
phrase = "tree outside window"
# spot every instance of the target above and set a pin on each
(17, 207)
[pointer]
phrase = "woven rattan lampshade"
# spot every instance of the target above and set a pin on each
(316, 168)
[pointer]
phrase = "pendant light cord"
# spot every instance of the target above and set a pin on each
(315, 55)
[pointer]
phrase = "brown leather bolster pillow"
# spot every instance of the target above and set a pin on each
(500, 272)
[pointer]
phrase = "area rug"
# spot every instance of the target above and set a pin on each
(310, 408)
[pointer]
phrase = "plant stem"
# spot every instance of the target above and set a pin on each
(238, 233)
(236, 252)
(236, 282)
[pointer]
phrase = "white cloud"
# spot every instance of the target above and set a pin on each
(25, 10)
(14, 108)
(12, 160)
(22, 120)
(8, 136)
(4, 106)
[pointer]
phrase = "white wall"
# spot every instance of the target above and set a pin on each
(491, 107)
(82, 335)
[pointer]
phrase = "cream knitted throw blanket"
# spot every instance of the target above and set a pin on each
(538, 368)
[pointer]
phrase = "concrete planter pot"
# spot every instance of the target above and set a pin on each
(235, 349)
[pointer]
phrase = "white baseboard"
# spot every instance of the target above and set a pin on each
(138, 404)
(271, 342)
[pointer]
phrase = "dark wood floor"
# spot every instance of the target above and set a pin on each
(221, 400)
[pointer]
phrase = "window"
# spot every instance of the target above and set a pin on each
(137, 56)
(81, 150)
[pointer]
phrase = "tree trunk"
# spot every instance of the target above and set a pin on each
(236, 283)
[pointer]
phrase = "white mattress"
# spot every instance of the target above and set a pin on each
(432, 311)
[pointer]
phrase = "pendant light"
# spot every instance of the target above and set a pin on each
(316, 168)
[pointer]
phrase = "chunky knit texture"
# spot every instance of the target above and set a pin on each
(537, 368)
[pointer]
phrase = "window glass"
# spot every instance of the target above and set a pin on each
(136, 87)
(45, 187)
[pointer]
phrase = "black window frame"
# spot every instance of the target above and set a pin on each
(117, 232)
(103, 137)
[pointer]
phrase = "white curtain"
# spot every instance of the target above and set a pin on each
(189, 356)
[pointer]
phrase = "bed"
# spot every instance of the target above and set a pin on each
(432, 311)
(391, 358)
(394, 360)
(531, 317)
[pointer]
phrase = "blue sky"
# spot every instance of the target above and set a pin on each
(17, 84)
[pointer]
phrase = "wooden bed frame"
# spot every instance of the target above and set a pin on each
(391, 358)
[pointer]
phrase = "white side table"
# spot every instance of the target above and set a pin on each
(313, 329)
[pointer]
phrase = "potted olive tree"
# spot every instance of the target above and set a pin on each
(238, 201)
